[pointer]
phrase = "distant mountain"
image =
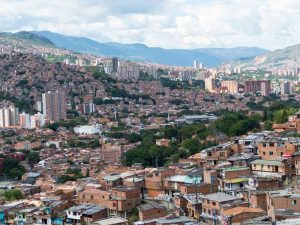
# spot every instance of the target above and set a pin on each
(282, 58)
(140, 52)
(29, 37)
(35, 38)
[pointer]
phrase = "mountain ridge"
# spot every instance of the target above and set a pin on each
(140, 52)
(288, 57)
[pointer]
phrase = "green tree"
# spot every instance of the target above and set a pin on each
(235, 124)
(12, 168)
(11, 195)
(134, 137)
(192, 145)
(33, 158)
(268, 125)
(15, 173)
(281, 116)
(170, 132)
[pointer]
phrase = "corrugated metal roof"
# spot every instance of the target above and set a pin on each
(267, 162)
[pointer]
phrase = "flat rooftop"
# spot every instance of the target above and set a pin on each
(110, 221)
(150, 205)
(220, 197)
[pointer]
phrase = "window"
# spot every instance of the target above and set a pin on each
(207, 201)
(222, 154)
(264, 153)
(294, 202)
(281, 153)
(272, 144)
(264, 145)
(270, 153)
(214, 203)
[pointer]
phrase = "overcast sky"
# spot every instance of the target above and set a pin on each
(164, 23)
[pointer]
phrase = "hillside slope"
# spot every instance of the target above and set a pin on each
(182, 57)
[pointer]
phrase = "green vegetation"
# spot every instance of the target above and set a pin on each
(7, 133)
(34, 38)
(177, 102)
(22, 104)
(59, 58)
(11, 195)
(281, 116)
(72, 112)
(12, 168)
(275, 111)
(117, 92)
(185, 84)
(145, 76)
(169, 83)
(134, 137)
(33, 158)
(185, 141)
(71, 175)
(86, 143)
(236, 124)
(99, 74)
(69, 124)
(100, 101)
(133, 216)
(22, 84)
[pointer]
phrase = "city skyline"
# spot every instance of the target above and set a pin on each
(168, 24)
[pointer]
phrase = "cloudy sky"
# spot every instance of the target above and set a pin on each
(165, 23)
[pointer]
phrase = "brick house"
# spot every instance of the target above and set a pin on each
(119, 200)
(282, 204)
(203, 188)
(234, 172)
(151, 211)
(154, 182)
(239, 214)
(218, 154)
(293, 124)
(212, 205)
(277, 168)
(258, 199)
(124, 199)
(276, 149)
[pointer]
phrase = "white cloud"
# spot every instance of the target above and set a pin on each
(168, 23)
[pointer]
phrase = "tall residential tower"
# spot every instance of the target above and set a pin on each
(54, 105)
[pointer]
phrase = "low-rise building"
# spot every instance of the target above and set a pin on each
(151, 211)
